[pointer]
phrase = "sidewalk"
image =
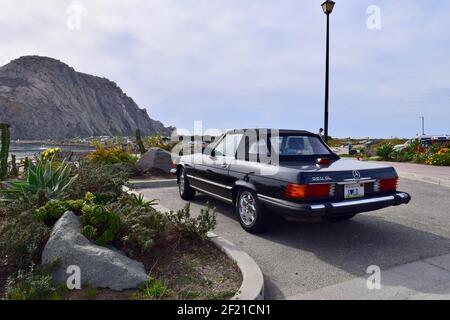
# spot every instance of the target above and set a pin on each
(421, 280)
(422, 172)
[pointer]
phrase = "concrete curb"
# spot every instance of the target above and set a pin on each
(163, 183)
(252, 287)
(422, 178)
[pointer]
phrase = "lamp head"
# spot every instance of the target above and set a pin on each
(328, 6)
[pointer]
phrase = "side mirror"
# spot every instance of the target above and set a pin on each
(213, 154)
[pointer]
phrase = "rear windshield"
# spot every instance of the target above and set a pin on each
(298, 146)
(287, 147)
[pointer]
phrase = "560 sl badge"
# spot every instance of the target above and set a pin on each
(323, 178)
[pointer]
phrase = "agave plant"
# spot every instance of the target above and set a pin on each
(140, 202)
(42, 177)
(385, 151)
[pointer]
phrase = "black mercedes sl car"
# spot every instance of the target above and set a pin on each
(288, 172)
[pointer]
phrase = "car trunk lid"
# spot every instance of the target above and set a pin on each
(340, 171)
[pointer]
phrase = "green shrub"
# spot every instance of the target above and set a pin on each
(413, 146)
(199, 226)
(157, 142)
(437, 159)
(17, 206)
(100, 224)
(54, 209)
(384, 151)
(112, 154)
(50, 213)
(415, 152)
(133, 228)
(74, 205)
(104, 181)
(22, 239)
(419, 157)
(402, 156)
(89, 232)
(436, 154)
(153, 289)
(32, 284)
(142, 228)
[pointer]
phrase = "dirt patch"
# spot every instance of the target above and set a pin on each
(97, 294)
(192, 269)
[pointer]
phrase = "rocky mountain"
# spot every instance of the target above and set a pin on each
(43, 98)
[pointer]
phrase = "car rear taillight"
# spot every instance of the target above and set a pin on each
(323, 161)
(303, 191)
(385, 185)
(174, 164)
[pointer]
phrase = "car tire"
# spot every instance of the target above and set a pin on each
(344, 218)
(185, 189)
(251, 214)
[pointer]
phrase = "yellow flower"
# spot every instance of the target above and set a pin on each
(50, 152)
(89, 198)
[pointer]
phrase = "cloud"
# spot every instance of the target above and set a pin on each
(250, 63)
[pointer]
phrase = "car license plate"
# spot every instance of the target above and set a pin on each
(353, 190)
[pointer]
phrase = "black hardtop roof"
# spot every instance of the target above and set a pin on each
(280, 131)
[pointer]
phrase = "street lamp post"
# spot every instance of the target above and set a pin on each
(423, 125)
(327, 7)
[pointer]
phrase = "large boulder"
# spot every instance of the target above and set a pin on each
(100, 267)
(155, 159)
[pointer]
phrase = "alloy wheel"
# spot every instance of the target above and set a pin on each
(247, 208)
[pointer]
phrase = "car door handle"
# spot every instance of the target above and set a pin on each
(225, 166)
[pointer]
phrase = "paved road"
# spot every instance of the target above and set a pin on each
(432, 174)
(300, 259)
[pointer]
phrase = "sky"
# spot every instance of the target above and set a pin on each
(253, 63)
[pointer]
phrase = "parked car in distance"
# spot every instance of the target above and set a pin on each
(425, 141)
(429, 140)
(292, 173)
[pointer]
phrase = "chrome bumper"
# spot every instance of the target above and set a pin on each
(335, 208)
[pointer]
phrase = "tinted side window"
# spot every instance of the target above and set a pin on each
(228, 145)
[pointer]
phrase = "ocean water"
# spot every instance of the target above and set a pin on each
(22, 150)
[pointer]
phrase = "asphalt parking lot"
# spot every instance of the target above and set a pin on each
(324, 259)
